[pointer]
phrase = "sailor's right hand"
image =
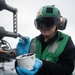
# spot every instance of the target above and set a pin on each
(23, 46)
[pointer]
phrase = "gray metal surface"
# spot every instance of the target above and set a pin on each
(8, 68)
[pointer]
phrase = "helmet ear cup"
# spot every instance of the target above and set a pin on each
(62, 24)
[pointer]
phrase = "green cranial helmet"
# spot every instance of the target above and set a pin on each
(49, 16)
(48, 11)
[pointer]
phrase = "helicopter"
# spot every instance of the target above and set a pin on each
(6, 52)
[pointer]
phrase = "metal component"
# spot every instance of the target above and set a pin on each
(20, 36)
(15, 30)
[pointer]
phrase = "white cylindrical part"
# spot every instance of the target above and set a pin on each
(26, 61)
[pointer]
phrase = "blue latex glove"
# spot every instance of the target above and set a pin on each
(23, 46)
(24, 71)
